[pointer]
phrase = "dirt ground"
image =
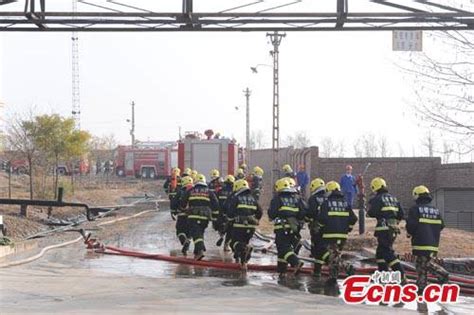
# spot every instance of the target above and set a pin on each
(95, 192)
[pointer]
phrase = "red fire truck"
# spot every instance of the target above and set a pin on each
(205, 154)
(141, 161)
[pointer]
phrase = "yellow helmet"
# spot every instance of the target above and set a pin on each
(243, 166)
(332, 186)
(229, 179)
(287, 168)
(215, 174)
(240, 171)
(282, 185)
(241, 184)
(420, 190)
(187, 171)
(186, 180)
(258, 171)
(194, 174)
(317, 184)
(176, 171)
(378, 183)
(200, 178)
(291, 181)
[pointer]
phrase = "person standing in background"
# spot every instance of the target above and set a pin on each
(302, 179)
(348, 186)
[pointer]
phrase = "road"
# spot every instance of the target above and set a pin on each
(73, 280)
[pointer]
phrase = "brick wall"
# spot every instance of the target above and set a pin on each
(460, 175)
(401, 174)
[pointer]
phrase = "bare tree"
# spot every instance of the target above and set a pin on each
(383, 146)
(340, 149)
(21, 135)
(429, 143)
(327, 147)
(444, 85)
(358, 150)
(369, 145)
(447, 151)
(257, 140)
(299, 140)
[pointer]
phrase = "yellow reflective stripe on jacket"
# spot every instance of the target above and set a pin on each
(389, 208)
(393, 262)
(338, 214)
(199, 198)
(247, 207)
(198, 217)
(279, 226)
(334, 235)
(381, 228)
(286, 208)
(430, 248)
(222, 197)
(250, 226)
(430, 221)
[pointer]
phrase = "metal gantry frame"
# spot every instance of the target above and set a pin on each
(36, 17)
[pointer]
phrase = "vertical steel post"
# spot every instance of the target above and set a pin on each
(76, 92)
(247, 94)
(275, 39)
(132, 129)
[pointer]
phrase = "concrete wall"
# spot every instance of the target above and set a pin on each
(455, 175)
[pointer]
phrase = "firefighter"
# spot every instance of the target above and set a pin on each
(424, 226)
(223, 224)
(201, 202)
(182, 230)
(240, 174)
(288, 171)
(244, 212)
(194, 174)
(256, 182)
(187, 172)
(297, 240)
(214, 186)
(336, 220)
(286, 210)
(318, 192)
(171, 186)
(387, 210)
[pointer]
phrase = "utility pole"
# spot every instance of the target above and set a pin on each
(132, 129)
(247, 94)
(275, 39)
(76, 95)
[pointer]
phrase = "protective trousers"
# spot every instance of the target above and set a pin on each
(318, 249)
(182, 228)
(239, 242)
(329, 253)
(196, 232)
(286, 255)
(425, 265)
(385, 255)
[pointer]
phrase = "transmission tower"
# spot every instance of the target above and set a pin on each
(275, 39)
(76, 92)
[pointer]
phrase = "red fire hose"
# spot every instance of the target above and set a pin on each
(467, 285)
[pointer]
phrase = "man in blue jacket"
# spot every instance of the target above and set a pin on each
(302, 179)
(348, 186)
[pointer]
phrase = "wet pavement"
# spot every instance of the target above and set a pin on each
(76, 281)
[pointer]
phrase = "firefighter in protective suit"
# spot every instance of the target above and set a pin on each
(318, 192)
(288, 171)
(256, 182)
(286, 211)
(200, 202)
(424, 226)
(336, 220)
(215, 185)
(172, 186)
(387, 210)
(244, 212)
(240, 174)
(182, 231)
(223, 224)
